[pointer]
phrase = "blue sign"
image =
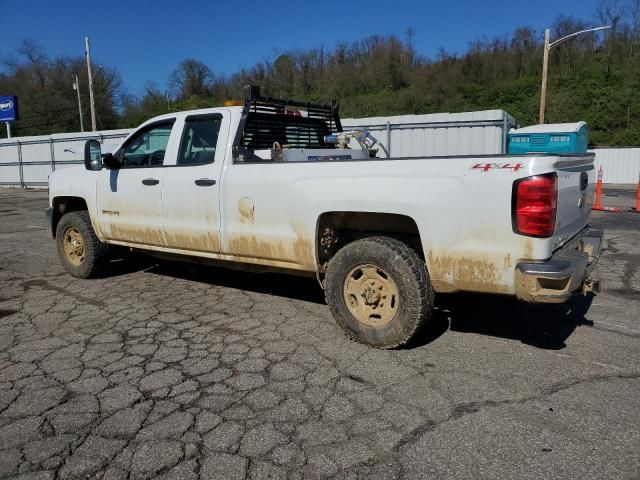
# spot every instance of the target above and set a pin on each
(9, 108)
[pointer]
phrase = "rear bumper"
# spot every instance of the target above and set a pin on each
(569, 269)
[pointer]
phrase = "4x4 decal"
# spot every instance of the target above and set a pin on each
(485, 167)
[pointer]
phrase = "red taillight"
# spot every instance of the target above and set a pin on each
(535, 204)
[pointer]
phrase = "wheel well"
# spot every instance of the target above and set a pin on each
(336, 229)
(62, 205)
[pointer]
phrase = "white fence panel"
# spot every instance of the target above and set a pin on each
(9, 174)
(29, 161)
(36, 152)
(68, 151)
(8, 154)
(619, 165)
(439, 134)
(36, 174)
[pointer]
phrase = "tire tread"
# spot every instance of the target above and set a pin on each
(420, 309)
(95, 249)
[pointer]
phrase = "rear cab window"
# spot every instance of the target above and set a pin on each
(262, 130)
(273, 130)
(199, 139)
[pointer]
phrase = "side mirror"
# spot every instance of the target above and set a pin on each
(92, 155)
(110, 161)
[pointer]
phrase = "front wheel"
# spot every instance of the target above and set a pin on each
(81, 252)
(379, 292)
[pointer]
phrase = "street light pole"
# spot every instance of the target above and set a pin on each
(76, 87)
(545, 62)
(545, 65)
(91, 102)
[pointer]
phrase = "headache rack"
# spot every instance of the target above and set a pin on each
(289, 123)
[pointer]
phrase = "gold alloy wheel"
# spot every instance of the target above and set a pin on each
(371, 295)
(73, 244)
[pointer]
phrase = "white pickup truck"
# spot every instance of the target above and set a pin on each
(274, 184)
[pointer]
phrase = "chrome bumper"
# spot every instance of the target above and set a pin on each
(568, 270)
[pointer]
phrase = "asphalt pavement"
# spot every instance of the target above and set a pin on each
(177, 371)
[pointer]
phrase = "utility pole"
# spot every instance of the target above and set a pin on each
(91, 100)
(545, 62)
(76, 87)
(545, 65)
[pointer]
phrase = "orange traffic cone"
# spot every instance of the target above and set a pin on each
(636, 209)
(598, 204)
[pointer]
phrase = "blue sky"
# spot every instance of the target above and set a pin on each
(146, 40)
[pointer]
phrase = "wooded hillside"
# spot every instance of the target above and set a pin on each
(595, 78)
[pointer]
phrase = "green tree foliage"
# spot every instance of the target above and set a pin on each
(48, 102)
(593, 77)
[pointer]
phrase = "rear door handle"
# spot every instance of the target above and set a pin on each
(204, 182)
(150, 181)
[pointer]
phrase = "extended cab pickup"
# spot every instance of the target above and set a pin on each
(266, 185)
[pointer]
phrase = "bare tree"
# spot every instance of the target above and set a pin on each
(609, 12)
(524, 44)
(634, 14)
(191, 78)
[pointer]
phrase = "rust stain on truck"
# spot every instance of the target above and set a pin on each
(299, 251)
(200, 242)
(452, 273)
(246, 210)
(146, 236)
(207, 242)
(527, 249)
(250, 246)
(303, 250)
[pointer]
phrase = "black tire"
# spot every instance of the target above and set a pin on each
(93, 252)
(403, 265)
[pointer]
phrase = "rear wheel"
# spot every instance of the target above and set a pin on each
(379, 292)
(81, 252)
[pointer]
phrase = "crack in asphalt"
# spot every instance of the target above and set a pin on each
(48, 286)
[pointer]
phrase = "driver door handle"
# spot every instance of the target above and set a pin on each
(204, 182)
(150, 181)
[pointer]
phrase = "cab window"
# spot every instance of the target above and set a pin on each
(147, 148)
(199, 139)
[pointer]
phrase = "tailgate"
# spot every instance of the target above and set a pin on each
(576, 179)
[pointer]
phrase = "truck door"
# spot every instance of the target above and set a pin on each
(190, 192)
(129, 199)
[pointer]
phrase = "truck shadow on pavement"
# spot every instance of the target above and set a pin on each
(542, 326)
(270, 283)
